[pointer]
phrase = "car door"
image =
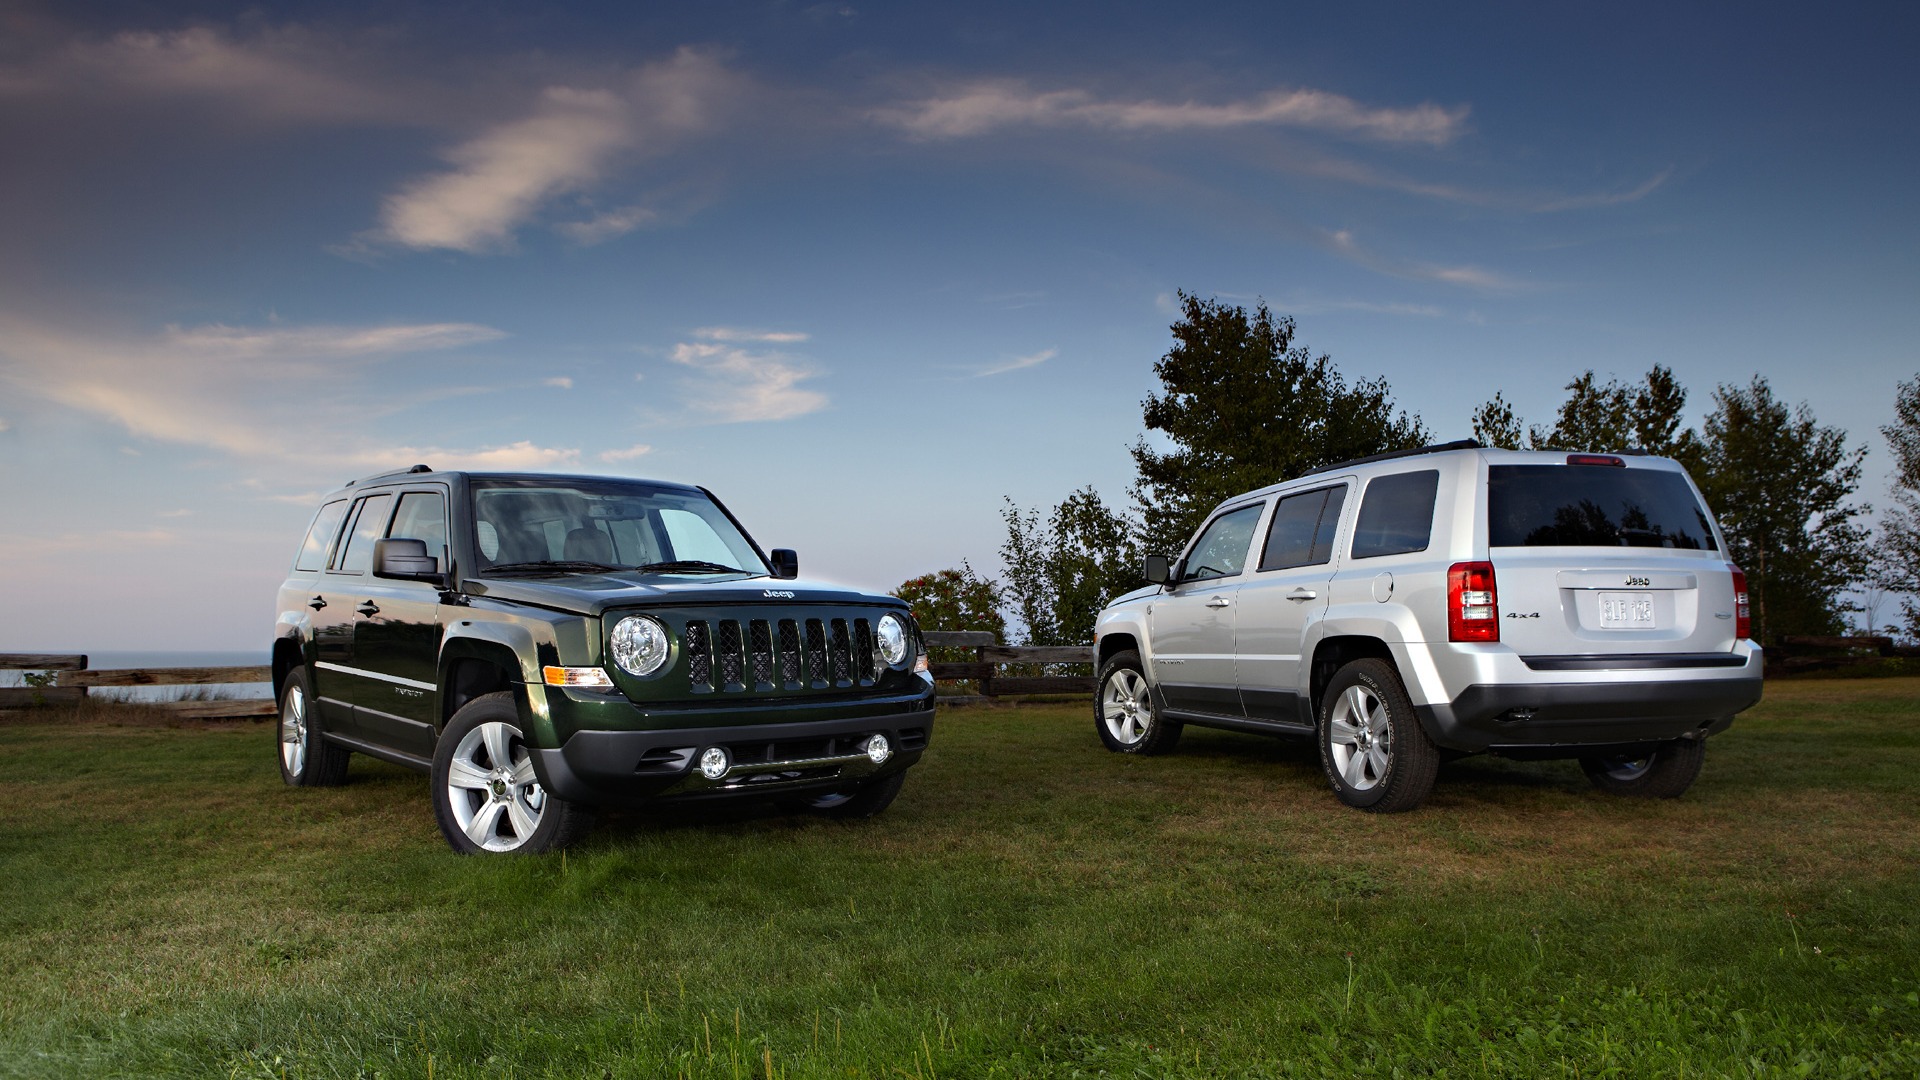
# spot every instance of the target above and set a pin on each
(1192, 623)
(336, 676)
(396, 636)
(1283, 596)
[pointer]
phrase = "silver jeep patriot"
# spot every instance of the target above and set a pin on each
(1425, 604)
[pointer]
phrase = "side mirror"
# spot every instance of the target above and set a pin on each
(405, 559)
(786, 562)
(1158, 572)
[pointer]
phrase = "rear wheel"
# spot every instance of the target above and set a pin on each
(485, 795)
(864, 801)
(306, 759)
(1665, 772)
(1376, 755)
(1123, 711)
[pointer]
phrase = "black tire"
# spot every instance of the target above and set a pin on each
(1386, 765)
(494, 804)
(306, 758)
(1666, 772)
(1123, 712)
(864, 801)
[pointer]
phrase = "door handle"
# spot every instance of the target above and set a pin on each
(1219, 601)
(368, 608)
(1302, 594)
(317, 603)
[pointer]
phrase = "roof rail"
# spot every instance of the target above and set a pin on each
(391, 472)
(1436, 448)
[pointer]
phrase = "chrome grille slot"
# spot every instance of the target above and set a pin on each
(816, 653)
(789, 652)
(760, 649)
(727, 646)
(865, 658)
(699, 645)
(842, 662)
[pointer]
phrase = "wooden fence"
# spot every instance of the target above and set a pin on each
(984, 670)
(1796, 652)
(72, 679)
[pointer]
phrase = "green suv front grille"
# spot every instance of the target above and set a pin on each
(738, 655)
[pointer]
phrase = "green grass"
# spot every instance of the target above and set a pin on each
(1032, 906)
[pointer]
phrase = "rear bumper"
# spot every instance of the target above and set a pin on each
(1564, 719)
(769, 760)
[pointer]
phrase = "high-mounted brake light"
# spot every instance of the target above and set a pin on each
(1595, 459)
(1742, 612)
(1473, 603)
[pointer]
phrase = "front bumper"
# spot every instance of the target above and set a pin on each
(768, 760)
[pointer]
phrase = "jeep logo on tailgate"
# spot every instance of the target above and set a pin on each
(781, 594)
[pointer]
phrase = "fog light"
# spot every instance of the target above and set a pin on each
(714, 763)
(878, 751)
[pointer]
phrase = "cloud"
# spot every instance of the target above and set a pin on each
(737, 385)
(560, 382)
(603, 227)
(1342, 243)
(1353, 172)
(984, 107)
(3, 423)
(631, 452)
(502, 177)
(293, 397)
(1615, 198)
(1018, 362)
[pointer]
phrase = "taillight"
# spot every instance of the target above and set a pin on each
(1473, 603)
(1742, 612)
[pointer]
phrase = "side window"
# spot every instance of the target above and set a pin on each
(1302, 529)
(693, 538)
(326, 526)
(423, 516)
(1396, 514)
(1221, 550)
(368, 525)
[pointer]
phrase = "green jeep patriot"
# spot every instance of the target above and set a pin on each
(542, 645)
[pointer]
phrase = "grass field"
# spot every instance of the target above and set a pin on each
(1032, 906)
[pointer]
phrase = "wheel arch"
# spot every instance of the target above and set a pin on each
(1117, 642)
(1334, 653)
(288, 653)
(471, 667)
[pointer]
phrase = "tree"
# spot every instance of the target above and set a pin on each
(1244, 407)
(1897, 555)
(1780, 484)
(954, 600)
(1594, 417)
(1061, 574)
(1495, 425)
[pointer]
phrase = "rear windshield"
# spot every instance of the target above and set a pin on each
(1593, 506)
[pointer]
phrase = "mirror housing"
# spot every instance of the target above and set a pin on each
(1157, 570)
(786, 562)
(406, 559)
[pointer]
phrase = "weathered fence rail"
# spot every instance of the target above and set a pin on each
(991, 655)
(1805, 652)
(72, 679)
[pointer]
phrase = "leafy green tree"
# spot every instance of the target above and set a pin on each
(954, 599)
(1494, 424)
(1780, 485)
(1595, 416)
(1060, 573)
(1244, 406)
(1897, 555)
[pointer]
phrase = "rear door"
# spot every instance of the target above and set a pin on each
(1286, 593)
(1192, 623)
(1606, 560)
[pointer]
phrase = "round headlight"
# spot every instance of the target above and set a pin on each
(640, 644)
(892, 639)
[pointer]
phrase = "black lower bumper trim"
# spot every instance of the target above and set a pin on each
(1634, 661)
(1574, 716)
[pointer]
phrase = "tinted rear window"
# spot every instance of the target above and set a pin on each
(1396, 514)
(1585, 505)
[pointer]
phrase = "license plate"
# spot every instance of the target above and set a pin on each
(1626, 611)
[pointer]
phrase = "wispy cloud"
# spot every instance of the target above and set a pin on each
(983, 107)
(559, 382)
(604, 227)
(3, 423)
(739, 385)
(1532, 202)
(628, 454)
(1017, 363)
(1605, 198)
(1341, 242)
(501, 178)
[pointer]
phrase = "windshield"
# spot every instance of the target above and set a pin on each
(1579, 506)
(612, 524)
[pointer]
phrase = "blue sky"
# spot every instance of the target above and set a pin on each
(865, 270)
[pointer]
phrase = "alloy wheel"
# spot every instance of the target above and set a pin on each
(496, 800)
(1360, 738)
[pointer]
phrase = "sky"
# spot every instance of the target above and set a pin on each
(867, 271)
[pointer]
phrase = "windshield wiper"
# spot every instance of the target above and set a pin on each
(688, 566)
(551, 566)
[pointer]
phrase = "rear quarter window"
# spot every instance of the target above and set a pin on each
(1396, 514)
(1593, 506)
(326, 525)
